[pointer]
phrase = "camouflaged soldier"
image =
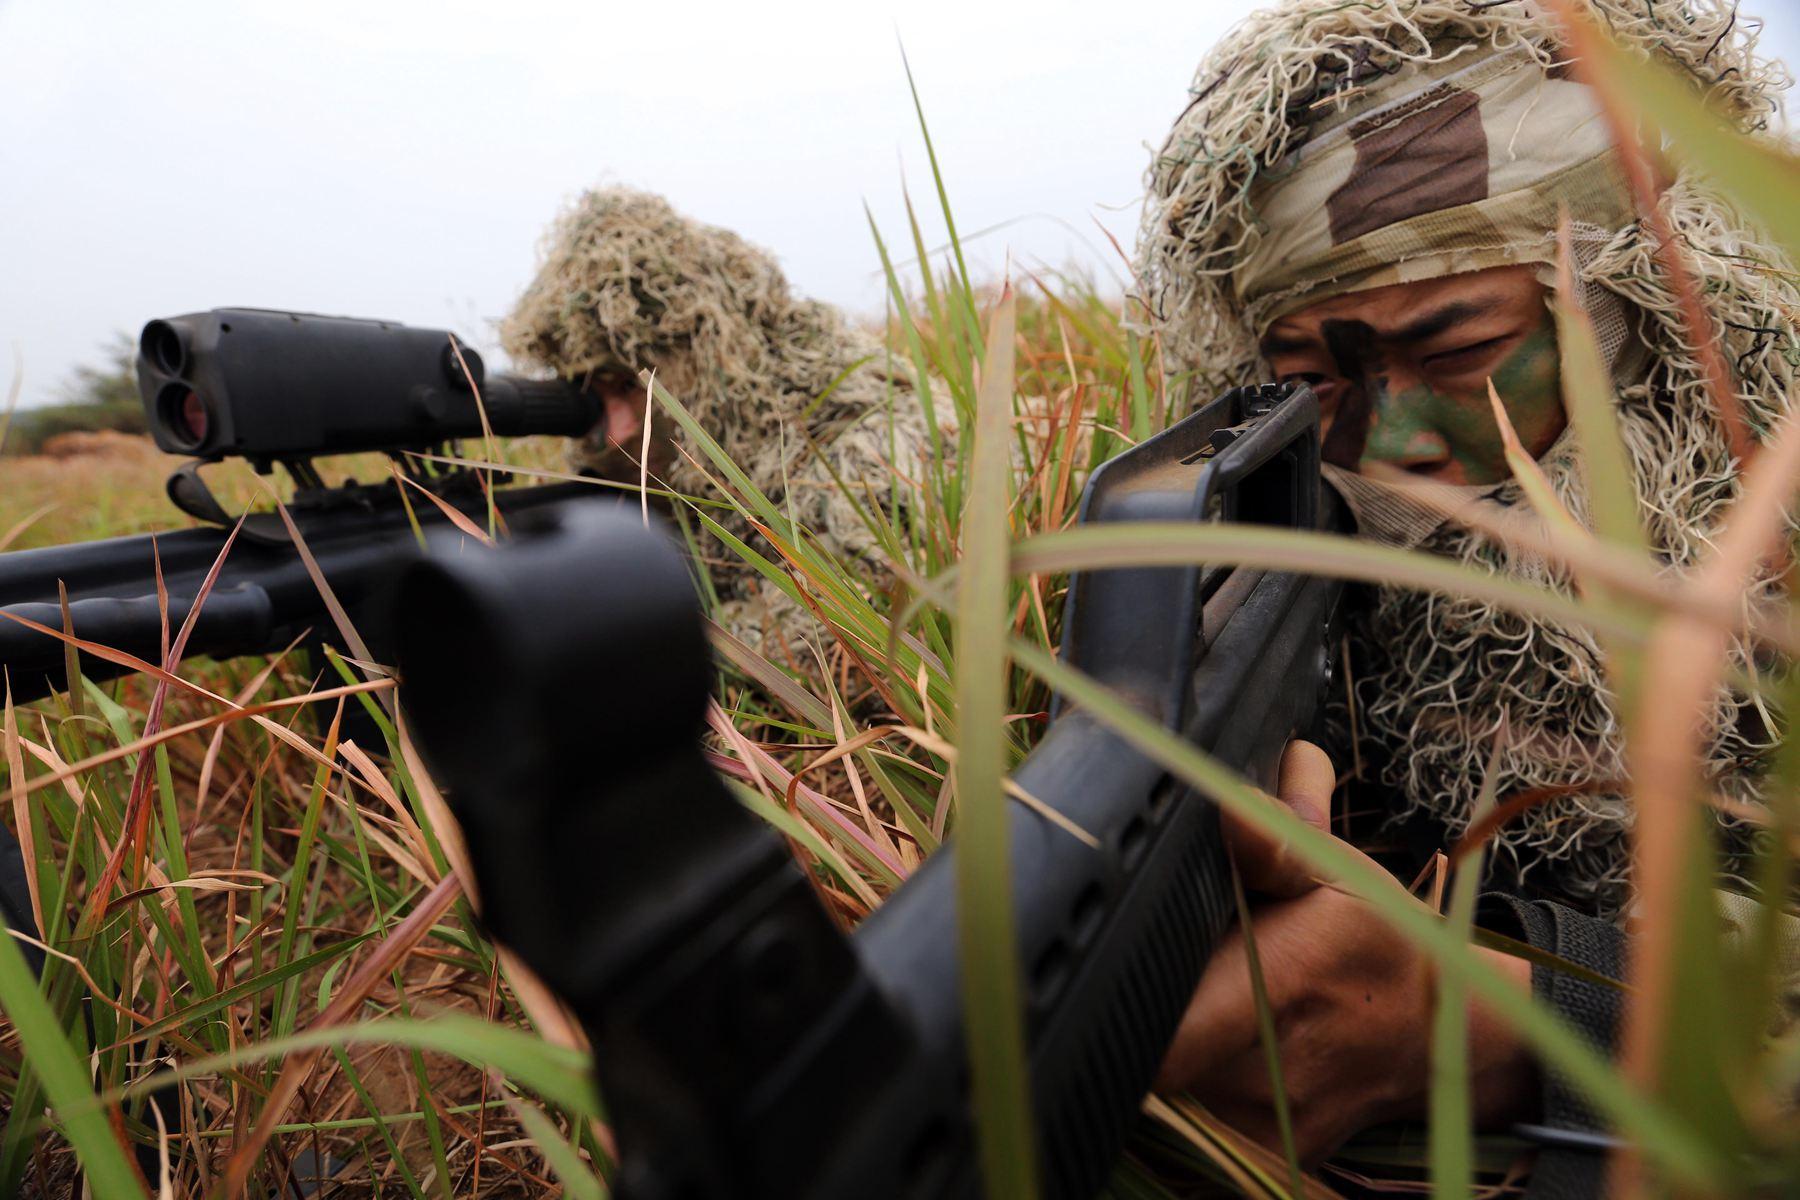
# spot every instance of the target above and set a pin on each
(1366, 197)
(799, 399)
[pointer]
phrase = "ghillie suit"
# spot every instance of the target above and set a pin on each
(1335, 147)
(797, 397)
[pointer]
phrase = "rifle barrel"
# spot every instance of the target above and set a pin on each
(263, 598)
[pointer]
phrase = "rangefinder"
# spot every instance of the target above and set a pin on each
(275, 386)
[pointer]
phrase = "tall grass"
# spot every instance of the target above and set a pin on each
(285, 957)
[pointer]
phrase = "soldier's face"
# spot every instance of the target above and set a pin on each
(624, 404)
(1402, 372)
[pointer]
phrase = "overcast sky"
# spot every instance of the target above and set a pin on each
(397, 158)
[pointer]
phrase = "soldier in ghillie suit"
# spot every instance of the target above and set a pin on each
(806, 404)
(1367, 197)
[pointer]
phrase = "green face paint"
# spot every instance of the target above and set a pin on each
(1446, 425)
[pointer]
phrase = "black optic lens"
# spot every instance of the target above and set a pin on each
(184, 415)
(195, 421)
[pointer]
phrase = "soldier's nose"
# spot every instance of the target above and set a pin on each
(1396, 441)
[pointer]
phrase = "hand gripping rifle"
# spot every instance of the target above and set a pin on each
(279, 387)
(744, 1046)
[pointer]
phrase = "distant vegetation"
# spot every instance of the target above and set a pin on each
(94, 398)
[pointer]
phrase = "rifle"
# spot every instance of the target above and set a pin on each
(280, 387)
(745, 1047)
(272, 387)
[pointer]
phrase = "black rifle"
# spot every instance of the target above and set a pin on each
(280, 387)
(274, 387)
(747, 1048)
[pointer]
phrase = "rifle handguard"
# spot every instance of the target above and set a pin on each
(746, 1048)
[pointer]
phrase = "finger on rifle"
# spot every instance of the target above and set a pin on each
(1268, 866)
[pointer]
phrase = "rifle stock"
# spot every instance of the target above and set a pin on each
(745, 1046)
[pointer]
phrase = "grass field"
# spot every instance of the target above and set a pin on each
(276, 858)
(115, 489)
(263, 920)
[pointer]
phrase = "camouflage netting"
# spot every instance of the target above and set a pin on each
(1438, 675)
(784, 384)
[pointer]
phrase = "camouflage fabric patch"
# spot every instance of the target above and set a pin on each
(1432, 156)
(1435, 171)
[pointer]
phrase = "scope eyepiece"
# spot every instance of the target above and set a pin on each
(270, 385)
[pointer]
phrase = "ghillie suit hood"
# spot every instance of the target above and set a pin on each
(797, 396)
(1231, 240)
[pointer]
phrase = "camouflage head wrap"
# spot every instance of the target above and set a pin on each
(1451, 165)
(1321, 82)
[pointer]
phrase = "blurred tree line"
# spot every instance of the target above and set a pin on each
(103, 396)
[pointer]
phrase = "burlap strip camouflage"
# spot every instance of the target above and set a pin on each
(806, 403)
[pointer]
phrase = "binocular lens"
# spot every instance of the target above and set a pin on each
(195, 422)
(184, 415)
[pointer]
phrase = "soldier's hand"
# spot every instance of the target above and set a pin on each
(1351, 1001)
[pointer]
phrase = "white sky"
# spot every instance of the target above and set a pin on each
(398, 158)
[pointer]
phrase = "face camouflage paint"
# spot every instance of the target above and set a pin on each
(1444, 427)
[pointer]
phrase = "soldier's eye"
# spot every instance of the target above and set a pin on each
(1464, 357)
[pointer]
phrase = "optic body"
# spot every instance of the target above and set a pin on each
(269, 385)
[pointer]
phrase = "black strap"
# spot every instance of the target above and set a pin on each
(1565, 1169)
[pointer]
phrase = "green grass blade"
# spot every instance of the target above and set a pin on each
(967, 295)
(1588, 397)
(1697, 1063)
(578, 1181)
(1760, 176)
(1141, 425)
(434, 1128)
(562, 1077)
(287, 971)
(1172, 543)
(292, 938)
(953, 355)
(915, 346)
(1760, 972)
(1452, 1140)
(1269, 1036)
(379, 1119)
(991, 991)
(64, 1078)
